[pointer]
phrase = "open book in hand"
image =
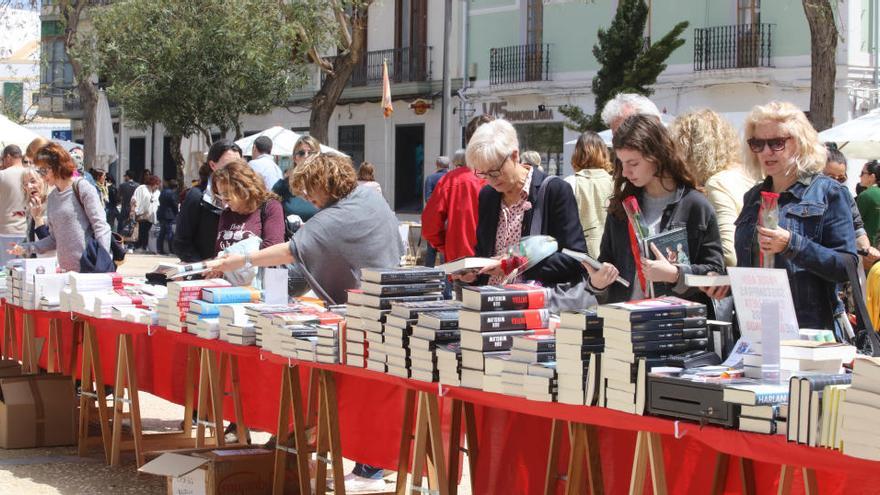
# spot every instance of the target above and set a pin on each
(673, 244)
(593, 262)
(466, 264)
(175, 270)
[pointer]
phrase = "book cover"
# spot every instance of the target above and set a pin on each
(493, 341)
(650, 309)
(407, 289)
(412, 309)
(582, 319)
(401, 274)
(536, 343)
(439, 319)
(436, 335)
(204, 307)
(509, 297)
(756, 393)
(490, 321)
(673, 244)
(385, 302)
(690, 322)
(231, 295)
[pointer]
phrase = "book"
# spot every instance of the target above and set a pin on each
(593, 262)
(536, 343)
(406, 289)
(757, 425)
(508, 297)
(401, 274)
(582, 319)
(666, 307)
(204, 307)
(178, 270)
(490, 321)
(231, 295)
(414, 308)
(757, 393)
(385, 302)
(813, 350)
(466, 264)
(494, 341)
(673, 244)
(812, 388)
(441, 320)
(692, 280)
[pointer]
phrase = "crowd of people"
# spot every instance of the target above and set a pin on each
(325, 220)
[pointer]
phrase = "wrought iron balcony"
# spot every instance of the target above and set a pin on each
(408, 64)
(733, 47)
(519, 63)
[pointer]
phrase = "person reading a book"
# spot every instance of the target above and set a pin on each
(353, 229)
(507, 207)
(814, 237)
(650, 171)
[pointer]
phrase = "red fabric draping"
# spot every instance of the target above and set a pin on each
(513, 433)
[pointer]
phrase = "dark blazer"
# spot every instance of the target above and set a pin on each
(560, 221)
(690, 210)
(167, 205)
(196, 230)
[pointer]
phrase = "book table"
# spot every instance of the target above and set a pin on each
(514, 434)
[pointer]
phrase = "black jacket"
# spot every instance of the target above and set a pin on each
(560, 221)
(167, 205)
(196, 233)
(691, 210)
(126, 191)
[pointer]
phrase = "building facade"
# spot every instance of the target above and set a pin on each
(522, 60)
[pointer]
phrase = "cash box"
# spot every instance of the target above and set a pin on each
(687, 399)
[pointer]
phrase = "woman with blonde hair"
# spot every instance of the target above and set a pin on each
(710, 146)
(32, 148)
(813, 238)
(35, 191)
(305, 147)
(592, 185)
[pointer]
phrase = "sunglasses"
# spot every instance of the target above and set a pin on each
(304, 153)
(495, 172)
(838, 178)
(775, 144)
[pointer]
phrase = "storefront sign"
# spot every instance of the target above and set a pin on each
(499, 109)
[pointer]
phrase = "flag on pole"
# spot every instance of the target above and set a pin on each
(387, 107)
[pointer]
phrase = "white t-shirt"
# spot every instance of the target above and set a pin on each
(13, 204)
(268, 170)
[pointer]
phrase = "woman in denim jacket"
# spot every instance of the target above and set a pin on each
(815, 239)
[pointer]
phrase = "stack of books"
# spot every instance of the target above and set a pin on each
(526, 351)
(85, 288)
(174, 307)
(437, 324)
(489, 320)
(204, 317)
(372, 303)
(640, 335)
(355, 341)
(860, 410)
(764, 418)
(47, 289)
(449, 363)
(327, 349)
(20, 282)
(579, 344)
(762, 404)
(540, 382)
(806, 396)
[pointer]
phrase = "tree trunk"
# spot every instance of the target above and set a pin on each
(823, 70)
(324, 102)
(178, 160)
(88, 99)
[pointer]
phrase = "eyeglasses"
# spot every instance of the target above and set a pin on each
(495, 172)
(838, 178)
(864, 173)
(27, 161)
(304, 153)
(42, 171)
(775, 144)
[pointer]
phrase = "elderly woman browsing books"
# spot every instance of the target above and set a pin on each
(654, 192)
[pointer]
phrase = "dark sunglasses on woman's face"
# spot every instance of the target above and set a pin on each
(303, 153)
(775, 144)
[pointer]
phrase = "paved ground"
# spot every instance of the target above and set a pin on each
(61, 471)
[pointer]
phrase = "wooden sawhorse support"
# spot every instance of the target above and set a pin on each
(328, 448)
(584, 450)
(92, 394)
(55, 350)
(126, 381)
(213, 369)
(428, 448)
(746, 474)
(29, 355)
(787, 473)
(462, 410)
(649, 452)
(9, 340)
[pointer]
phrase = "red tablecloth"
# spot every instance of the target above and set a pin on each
(513, 433)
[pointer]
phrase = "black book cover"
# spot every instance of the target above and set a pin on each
(411, 310)
(386, 302)
(408, 289)
(496, 321)
(691, 322)
(439, 319)
(696, 344)
(401, 274)
(657, 335)
(509, 297)
(695, 333)
(655, 347)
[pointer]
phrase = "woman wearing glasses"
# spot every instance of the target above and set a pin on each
(305, 147)
(814, 240)
(506, 208)
(869, 199)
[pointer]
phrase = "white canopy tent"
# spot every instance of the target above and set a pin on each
(283, 141)
(12, 133)
(858, 140)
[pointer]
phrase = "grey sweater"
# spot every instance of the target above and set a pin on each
(358, 231)
(70, 226)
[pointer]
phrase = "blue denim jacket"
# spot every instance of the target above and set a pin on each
(816, 211)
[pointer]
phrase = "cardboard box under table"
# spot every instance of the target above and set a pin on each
(215, 471)
(36, 411)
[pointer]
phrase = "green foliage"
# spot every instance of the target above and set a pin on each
(626, 65)
(196, 64)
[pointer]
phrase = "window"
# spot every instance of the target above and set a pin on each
(13, 102)
(351, 142)
(535, 22)
(56, 73)
(748, 12)
(546, 139)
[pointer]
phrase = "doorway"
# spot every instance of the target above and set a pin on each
(409, 167)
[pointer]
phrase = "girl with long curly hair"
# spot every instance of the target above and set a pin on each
(251, 209)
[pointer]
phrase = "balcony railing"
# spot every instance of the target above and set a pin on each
(519, 63)
(408, 64)
(733, 47)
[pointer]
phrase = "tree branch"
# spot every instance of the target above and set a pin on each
(344, 26)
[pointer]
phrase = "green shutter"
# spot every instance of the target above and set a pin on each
(12, 98)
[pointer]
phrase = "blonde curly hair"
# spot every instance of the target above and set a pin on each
(330, 173)
(707, 142)
(810, 154)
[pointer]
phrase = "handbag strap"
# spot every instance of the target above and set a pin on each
(538, 207)
(75, 186)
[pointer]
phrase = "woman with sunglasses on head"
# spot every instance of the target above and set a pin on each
(506, 210)
(305, 147)
(650, 169)
(814, 240)
(72, 220)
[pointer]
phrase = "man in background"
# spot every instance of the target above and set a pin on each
(262, 162)
(442, 166)
(13, 217)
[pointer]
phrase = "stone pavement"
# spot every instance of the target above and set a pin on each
(60, 471)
